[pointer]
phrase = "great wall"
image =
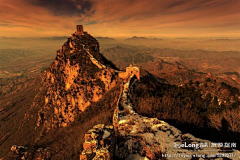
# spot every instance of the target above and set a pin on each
(139, 137)
(134, 137)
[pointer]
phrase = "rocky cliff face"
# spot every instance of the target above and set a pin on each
(78, 76)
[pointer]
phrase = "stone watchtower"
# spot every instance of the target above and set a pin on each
(131, 70)
(79, 30)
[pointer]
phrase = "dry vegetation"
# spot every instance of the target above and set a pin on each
(232, 117)
(62, 143)
(67, 142)
(185, 108)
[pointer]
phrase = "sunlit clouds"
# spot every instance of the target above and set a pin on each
(121, 18)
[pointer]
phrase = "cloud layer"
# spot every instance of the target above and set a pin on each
(65, 7)
(121, 18)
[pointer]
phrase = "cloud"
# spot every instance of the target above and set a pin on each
(120, 17)
(65, 7)
(25, 19)
(156, 18)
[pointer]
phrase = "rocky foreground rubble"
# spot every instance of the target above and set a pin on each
(25, 153)
(99, 143)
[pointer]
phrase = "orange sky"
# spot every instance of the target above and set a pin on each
(121, 18)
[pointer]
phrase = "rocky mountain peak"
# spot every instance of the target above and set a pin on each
(79, 76)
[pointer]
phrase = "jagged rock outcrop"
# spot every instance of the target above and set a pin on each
(99, 143)
(25, 153)
(20, 151)
(79, 76)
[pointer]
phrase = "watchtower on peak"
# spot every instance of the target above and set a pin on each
(79, 30)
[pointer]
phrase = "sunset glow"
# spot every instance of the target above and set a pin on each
(118, 18)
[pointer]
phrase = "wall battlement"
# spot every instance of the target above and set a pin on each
(131, 70)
